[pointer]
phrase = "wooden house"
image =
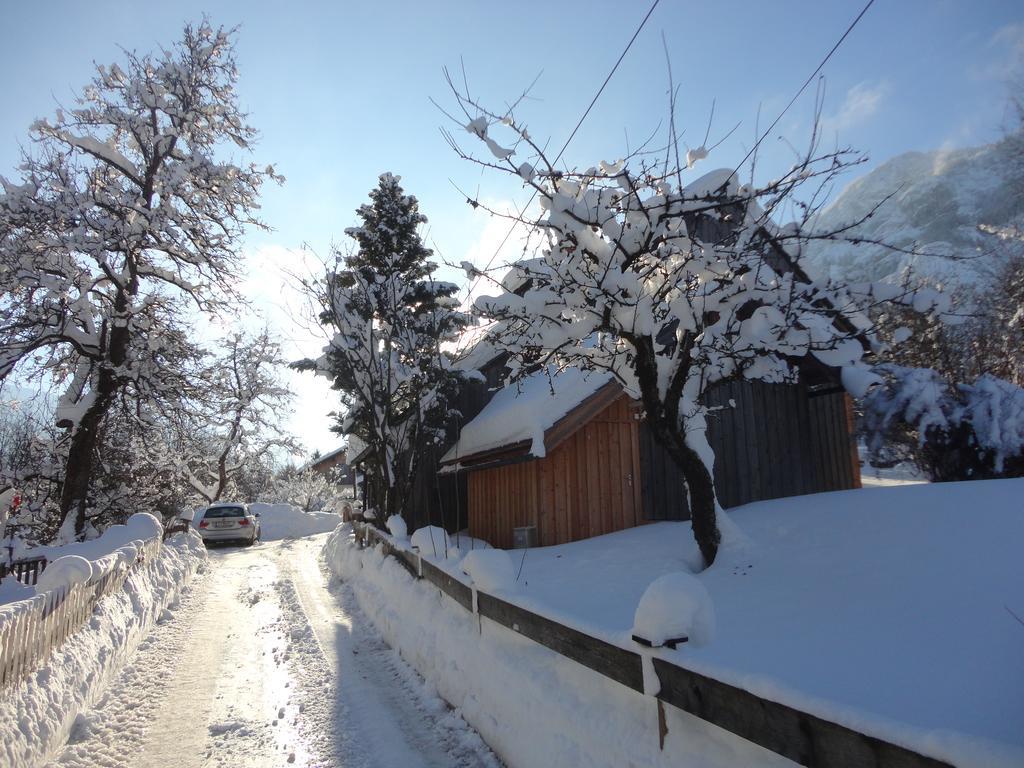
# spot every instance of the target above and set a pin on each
(334, 465)
(596, 467)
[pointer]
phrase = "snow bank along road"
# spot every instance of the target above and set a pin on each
(263, 664)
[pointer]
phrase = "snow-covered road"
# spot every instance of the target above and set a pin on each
(263, 664)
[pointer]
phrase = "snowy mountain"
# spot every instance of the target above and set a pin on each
(937, 201)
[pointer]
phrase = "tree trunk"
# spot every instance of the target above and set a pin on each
(79, 468)
(85, 436)
(699, 482)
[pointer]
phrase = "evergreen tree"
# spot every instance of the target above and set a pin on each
(390, 318)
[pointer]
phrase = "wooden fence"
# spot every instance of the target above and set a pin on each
(26, 571)
(800, 736)
(30, 629)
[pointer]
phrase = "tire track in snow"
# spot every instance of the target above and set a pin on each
(383, 713)
(262, 665)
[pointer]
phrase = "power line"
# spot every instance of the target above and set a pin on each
(600, 90)
(807, 82)
(565, 146)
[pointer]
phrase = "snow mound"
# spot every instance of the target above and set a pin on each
(64, 572)
(143, 525)
(397, 527)
(432, 541)
(490, 569)
(284, 521)
(675, 605)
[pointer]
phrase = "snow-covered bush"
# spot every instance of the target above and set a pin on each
(307, 489)
(964, 432)
(397, 527)
(490, 569)
(431, 540)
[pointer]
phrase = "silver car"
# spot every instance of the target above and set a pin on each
(229, 522)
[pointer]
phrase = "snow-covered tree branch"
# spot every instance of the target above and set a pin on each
(239, 415)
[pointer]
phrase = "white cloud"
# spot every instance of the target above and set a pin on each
(1009, 40)
(861, 103)
(495, 248)
(280, 304)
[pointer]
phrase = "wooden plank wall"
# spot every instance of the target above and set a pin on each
(779, 440)
(836, 446)
(500, 499)
(770, 441)
(587, 486)
(663, 488)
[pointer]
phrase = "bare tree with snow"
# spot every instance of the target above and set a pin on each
(239, 415)
(672, 287)
(124, 218)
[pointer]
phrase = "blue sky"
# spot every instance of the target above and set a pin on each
(340, 91)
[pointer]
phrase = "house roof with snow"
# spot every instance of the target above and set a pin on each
(533, 416)
(337, 456)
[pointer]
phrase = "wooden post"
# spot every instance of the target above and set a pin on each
(662, 726)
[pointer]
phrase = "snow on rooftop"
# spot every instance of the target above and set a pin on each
(474, 347)
(525, 410)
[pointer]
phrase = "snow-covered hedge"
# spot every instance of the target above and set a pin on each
(37, 714)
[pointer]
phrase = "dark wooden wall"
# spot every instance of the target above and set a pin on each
(775, 440)
(662, 484)
(586, 486)
(779, 440)
(442, 499)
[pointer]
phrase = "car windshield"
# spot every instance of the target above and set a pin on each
(224, 512)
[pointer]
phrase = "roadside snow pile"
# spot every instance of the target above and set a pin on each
(397, 527)
(284, 521)
(36, 715)
(490, 570)
(675, 606)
